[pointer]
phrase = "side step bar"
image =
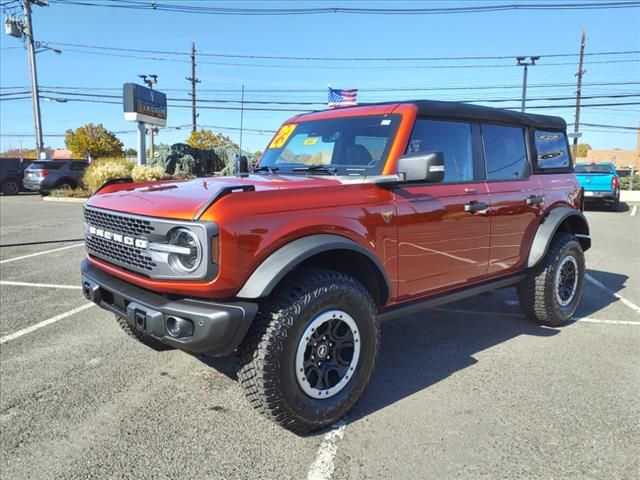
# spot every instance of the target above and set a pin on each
(433, 302)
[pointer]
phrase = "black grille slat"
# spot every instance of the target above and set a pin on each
(120, 252)
(118, 224)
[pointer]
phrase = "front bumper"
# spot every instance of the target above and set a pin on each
(218, 328)
(600, 195)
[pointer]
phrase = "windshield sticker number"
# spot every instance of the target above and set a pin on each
(282, 136)
(311, 140)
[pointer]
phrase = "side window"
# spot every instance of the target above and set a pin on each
(453, 139)
(552, 150)
(505, 152)
(78, 166)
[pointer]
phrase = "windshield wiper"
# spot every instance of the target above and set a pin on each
(265, 168)
(317, 168)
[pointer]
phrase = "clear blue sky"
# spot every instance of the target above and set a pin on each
(329, 35)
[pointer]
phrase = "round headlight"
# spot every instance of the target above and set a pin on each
(188, 260)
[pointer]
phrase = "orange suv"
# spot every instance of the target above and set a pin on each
(351, 217)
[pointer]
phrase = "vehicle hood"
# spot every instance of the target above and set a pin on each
(186, 199)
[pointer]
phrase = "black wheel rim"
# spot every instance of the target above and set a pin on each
(566, 280)
(327, 354)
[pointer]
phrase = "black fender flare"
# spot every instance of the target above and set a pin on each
(548, 228)
(274, 268)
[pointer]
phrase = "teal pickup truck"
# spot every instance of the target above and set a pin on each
(600, 182)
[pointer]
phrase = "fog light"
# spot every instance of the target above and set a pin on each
(179, 327)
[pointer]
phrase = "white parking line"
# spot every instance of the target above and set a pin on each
(610, 322)
(323, 466)
(15, 259)
(634, 210)
(39, 285)
(601, 285)
(44, 323)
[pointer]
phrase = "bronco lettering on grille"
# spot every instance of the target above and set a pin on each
(116, 237)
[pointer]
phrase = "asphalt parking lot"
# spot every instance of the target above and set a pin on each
(470, 390)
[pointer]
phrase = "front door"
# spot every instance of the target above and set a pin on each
(444, 228)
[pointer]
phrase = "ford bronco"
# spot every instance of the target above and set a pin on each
(351, 216)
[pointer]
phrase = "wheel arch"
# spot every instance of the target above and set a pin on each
(70, 180)
(559, 219)
(323, 250)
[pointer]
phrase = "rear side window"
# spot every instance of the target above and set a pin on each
(45, 165)
(505, 152)
(78, 166)
(453, 139)
(593, 168)
(552, 150)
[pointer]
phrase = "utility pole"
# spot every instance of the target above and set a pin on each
(581, 72)
(522, 63)
(28, 32)
(194, 80)
(241, 119)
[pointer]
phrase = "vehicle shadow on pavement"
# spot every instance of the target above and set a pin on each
(421, 350)
(595, 298)
(624, 207)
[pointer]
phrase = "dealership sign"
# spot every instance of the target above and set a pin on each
(142, 104)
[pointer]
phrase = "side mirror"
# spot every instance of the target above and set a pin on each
(422, 167)
(242, 165)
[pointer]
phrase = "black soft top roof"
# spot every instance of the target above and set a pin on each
(469, 111)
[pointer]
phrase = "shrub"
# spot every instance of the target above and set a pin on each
(148, 173)
(100, 171)
(626, 181)
(79, 192)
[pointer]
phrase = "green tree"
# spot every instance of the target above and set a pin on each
(94, 141)
(130, 152)
(207, 140)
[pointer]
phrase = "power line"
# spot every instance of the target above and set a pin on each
(324, 59)
(199, 9)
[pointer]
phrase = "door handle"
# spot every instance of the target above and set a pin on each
(475, 207)
(534, 200)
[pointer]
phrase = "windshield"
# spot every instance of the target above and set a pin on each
(581, 168)
(344, 146)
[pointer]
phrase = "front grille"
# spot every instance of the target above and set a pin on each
(117, 223)
(123, 254)
(127, 256)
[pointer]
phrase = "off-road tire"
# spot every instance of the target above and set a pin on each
(266, 357)
(147, 340)
(537, 293)
(10, 187)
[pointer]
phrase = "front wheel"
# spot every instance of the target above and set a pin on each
(10, 187)
(552, 290)
(310, 352)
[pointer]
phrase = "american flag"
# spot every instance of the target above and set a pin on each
(342, 98)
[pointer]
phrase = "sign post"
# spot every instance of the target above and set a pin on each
(145, 106)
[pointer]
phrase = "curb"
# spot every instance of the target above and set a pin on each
(630, 196)
(64, 199)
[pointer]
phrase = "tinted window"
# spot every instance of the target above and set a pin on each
(45, 165)
(505, 152)
(552, 150)
(453, 139)
(78, 165)
(591, 168)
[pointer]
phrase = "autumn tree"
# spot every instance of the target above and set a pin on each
(28, 153)
(94, 141)
(582, 151)
(207, 140)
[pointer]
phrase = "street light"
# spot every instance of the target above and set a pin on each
(523, 63)
(54, 99)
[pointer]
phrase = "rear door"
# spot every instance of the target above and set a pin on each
(517, 196)
(443, 229)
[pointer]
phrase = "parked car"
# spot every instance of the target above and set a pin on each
(45, 175)
(351, 217)
(11, 173)
(600, 182)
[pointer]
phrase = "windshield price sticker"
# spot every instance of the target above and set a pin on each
(311, 140)
(282, 136)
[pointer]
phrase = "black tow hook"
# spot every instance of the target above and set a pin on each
(91, 292)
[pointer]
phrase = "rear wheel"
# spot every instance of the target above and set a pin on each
(552, 291)
(65, 185)
(310, 352)
(615, 206)
(10, 187)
